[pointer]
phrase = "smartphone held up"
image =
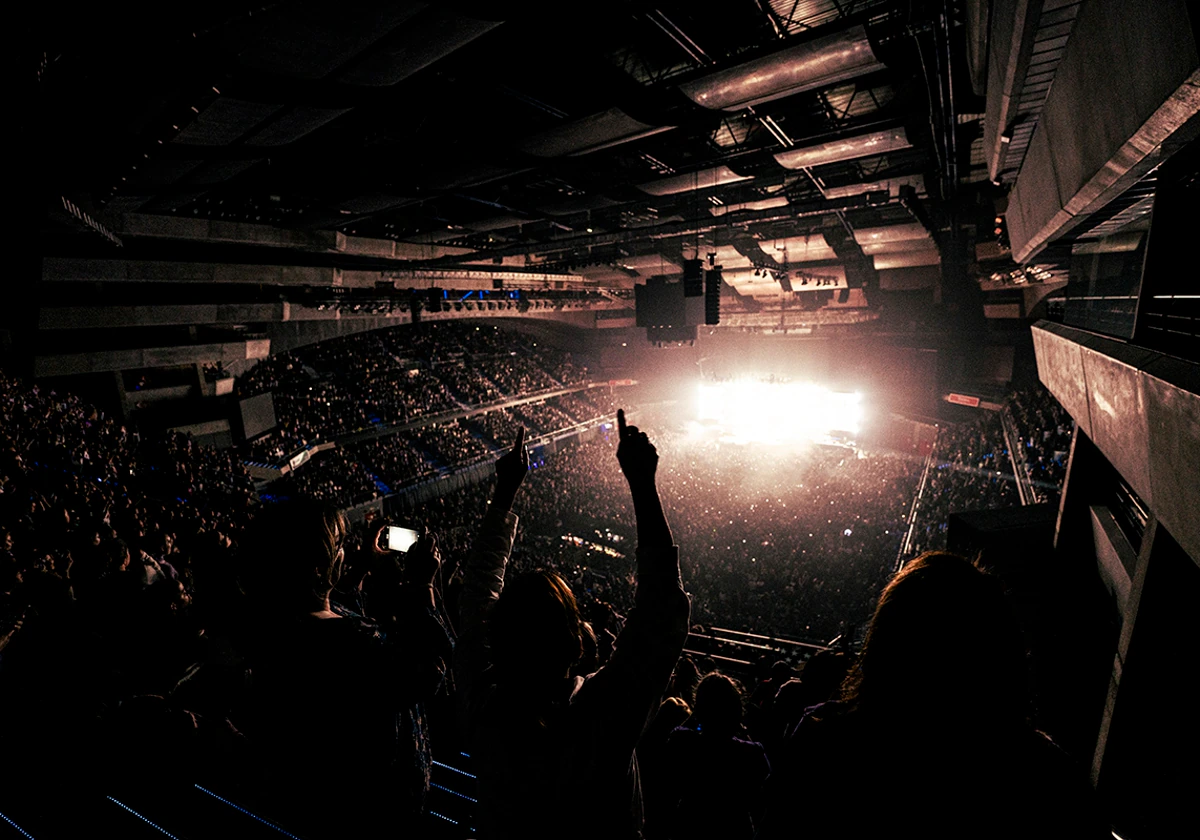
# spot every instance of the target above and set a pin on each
(400, 539)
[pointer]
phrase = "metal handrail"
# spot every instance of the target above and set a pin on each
(906, 544)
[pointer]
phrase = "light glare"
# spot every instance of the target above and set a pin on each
(778, 412)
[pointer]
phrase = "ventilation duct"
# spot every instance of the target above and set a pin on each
(749, 282)
(907, 259)
(498, 223)
(605, 274)
(311, 40)
(898, 247)
(160, 172)
(579, 204)
(650, 264)
(215, 172)
(799, 249)
(420, 42)
(845, 148)
(589, 134)
(442, 234)
(449, 177)
(763, 292)
(892, 185)
(891, 233)
(765, 204)
(705, 179)
(293, 125)
(726, 255)
(650, 220)
(224, 121)
(740, 276)
(372, 202)
(808, 66)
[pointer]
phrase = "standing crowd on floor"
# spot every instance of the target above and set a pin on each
(156, 626)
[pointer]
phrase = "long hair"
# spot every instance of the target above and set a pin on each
(943, 640)
(292, 554)
(535, 629)
(719, 705)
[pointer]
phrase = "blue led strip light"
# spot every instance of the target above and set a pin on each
(247, 813)
(455, 769)
(143, 819)
(456, 793)
(24, 833)
(443, 816)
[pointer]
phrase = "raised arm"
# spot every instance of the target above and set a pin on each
(483, 573)
(423, 645)
(639, 462)
(654, 634)
(511, 469)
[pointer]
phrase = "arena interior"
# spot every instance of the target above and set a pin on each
(874, 278)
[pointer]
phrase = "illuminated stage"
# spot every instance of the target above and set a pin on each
(744, 411)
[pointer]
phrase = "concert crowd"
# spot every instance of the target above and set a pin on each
(970, 470)
(1043, 430)
(396, 376)
(159, 624)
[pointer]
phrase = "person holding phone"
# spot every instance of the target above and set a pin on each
(554, 753)
(336, 699)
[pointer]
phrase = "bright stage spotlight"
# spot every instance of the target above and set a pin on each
(748, 411)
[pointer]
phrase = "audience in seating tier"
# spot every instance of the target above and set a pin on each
(160, 623)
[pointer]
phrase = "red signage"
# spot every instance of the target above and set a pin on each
(963, 399)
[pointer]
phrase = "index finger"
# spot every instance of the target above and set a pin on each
(520, 439)
(621, 422)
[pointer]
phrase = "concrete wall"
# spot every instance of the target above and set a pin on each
(1010, 44)
(1142, 411)
(63, 268)
(228, 353)
(212, 230)
(1127, 86)
(101, 317)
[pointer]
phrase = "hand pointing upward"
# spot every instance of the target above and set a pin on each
(511, 469)
(635, 453)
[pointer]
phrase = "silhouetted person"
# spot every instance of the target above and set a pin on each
(658, 785)
(336, 699)
(715, 769)
(817, 683)
(685, 679)
(555, 753)
(931, 736)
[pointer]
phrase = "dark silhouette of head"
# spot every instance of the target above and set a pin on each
(781, 671)
(685, 679)
(294, 554)
(718, 707)
(534, 628)
(117, 556)
(820, 680)
(943, 643)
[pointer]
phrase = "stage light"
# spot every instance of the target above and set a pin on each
(748, 411)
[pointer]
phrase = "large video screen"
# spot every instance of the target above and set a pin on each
(258, 415)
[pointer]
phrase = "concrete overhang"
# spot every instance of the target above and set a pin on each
(1142, 410)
